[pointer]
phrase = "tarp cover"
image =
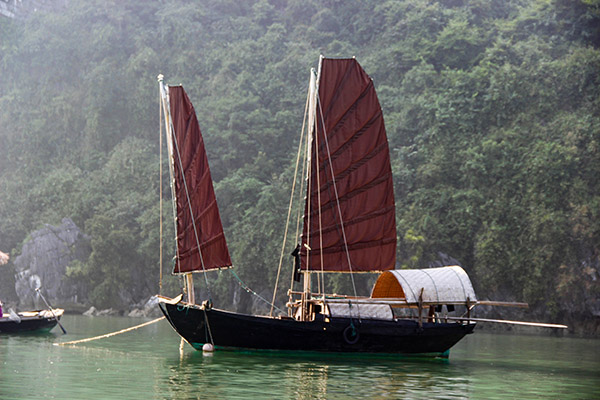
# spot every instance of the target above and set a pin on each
(366, 311)
(443, 285)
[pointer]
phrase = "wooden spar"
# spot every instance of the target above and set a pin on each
(400, 302)
(504, 321)
(502, 303)
(160, 185)
(189, 283)
(421, 308)
(169, 135)
(169, 300)
(305, 296)
(51, 310)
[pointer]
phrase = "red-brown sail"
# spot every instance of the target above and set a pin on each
(198, 219)
(349, 138)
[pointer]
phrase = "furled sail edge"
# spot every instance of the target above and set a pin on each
(164, 95)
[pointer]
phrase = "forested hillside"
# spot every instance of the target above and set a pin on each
(492, 109)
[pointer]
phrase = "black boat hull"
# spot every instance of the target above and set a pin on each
(232, 330)
(40, 324)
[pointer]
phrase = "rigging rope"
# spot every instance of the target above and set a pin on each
(287, 223)
(247, 289)
(337, 199)
(299, 214)
(187, 195)
(320, 210)
(208, 326)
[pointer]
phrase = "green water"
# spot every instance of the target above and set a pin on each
(147, 364)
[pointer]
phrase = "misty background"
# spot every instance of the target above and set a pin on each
(492, 109)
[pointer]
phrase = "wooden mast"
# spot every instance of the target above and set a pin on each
(312, 120)
(189, 284)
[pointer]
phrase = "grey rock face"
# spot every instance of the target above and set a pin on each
(43, 263)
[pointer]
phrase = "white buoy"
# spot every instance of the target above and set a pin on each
(208, 348)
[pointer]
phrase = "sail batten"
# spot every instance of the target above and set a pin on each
(201, 244)
(350, 210)
(339, 123)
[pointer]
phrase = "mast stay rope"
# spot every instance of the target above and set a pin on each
(290, 206)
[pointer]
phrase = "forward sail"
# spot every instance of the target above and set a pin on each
(349, 219)
(201, 244)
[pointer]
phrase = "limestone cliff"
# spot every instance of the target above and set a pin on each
(43, 262)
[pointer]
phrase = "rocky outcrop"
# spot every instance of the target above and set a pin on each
(146, 309)
(43, 263)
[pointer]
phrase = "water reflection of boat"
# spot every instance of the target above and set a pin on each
(30, 321)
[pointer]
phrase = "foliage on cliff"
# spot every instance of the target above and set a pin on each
(492, 110)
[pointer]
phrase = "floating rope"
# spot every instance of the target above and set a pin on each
(109, 334)
(247, 289)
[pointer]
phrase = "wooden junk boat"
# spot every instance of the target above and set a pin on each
(349, 227)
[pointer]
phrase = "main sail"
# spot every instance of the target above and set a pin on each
(201, 244)
(349, 219)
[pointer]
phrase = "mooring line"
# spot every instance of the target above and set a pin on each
(110, 334)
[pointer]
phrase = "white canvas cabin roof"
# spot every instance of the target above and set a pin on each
(444, 285)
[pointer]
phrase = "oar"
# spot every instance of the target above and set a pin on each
(51, 310)
(505, 321)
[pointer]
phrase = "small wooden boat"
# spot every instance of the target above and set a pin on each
(30, 321)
